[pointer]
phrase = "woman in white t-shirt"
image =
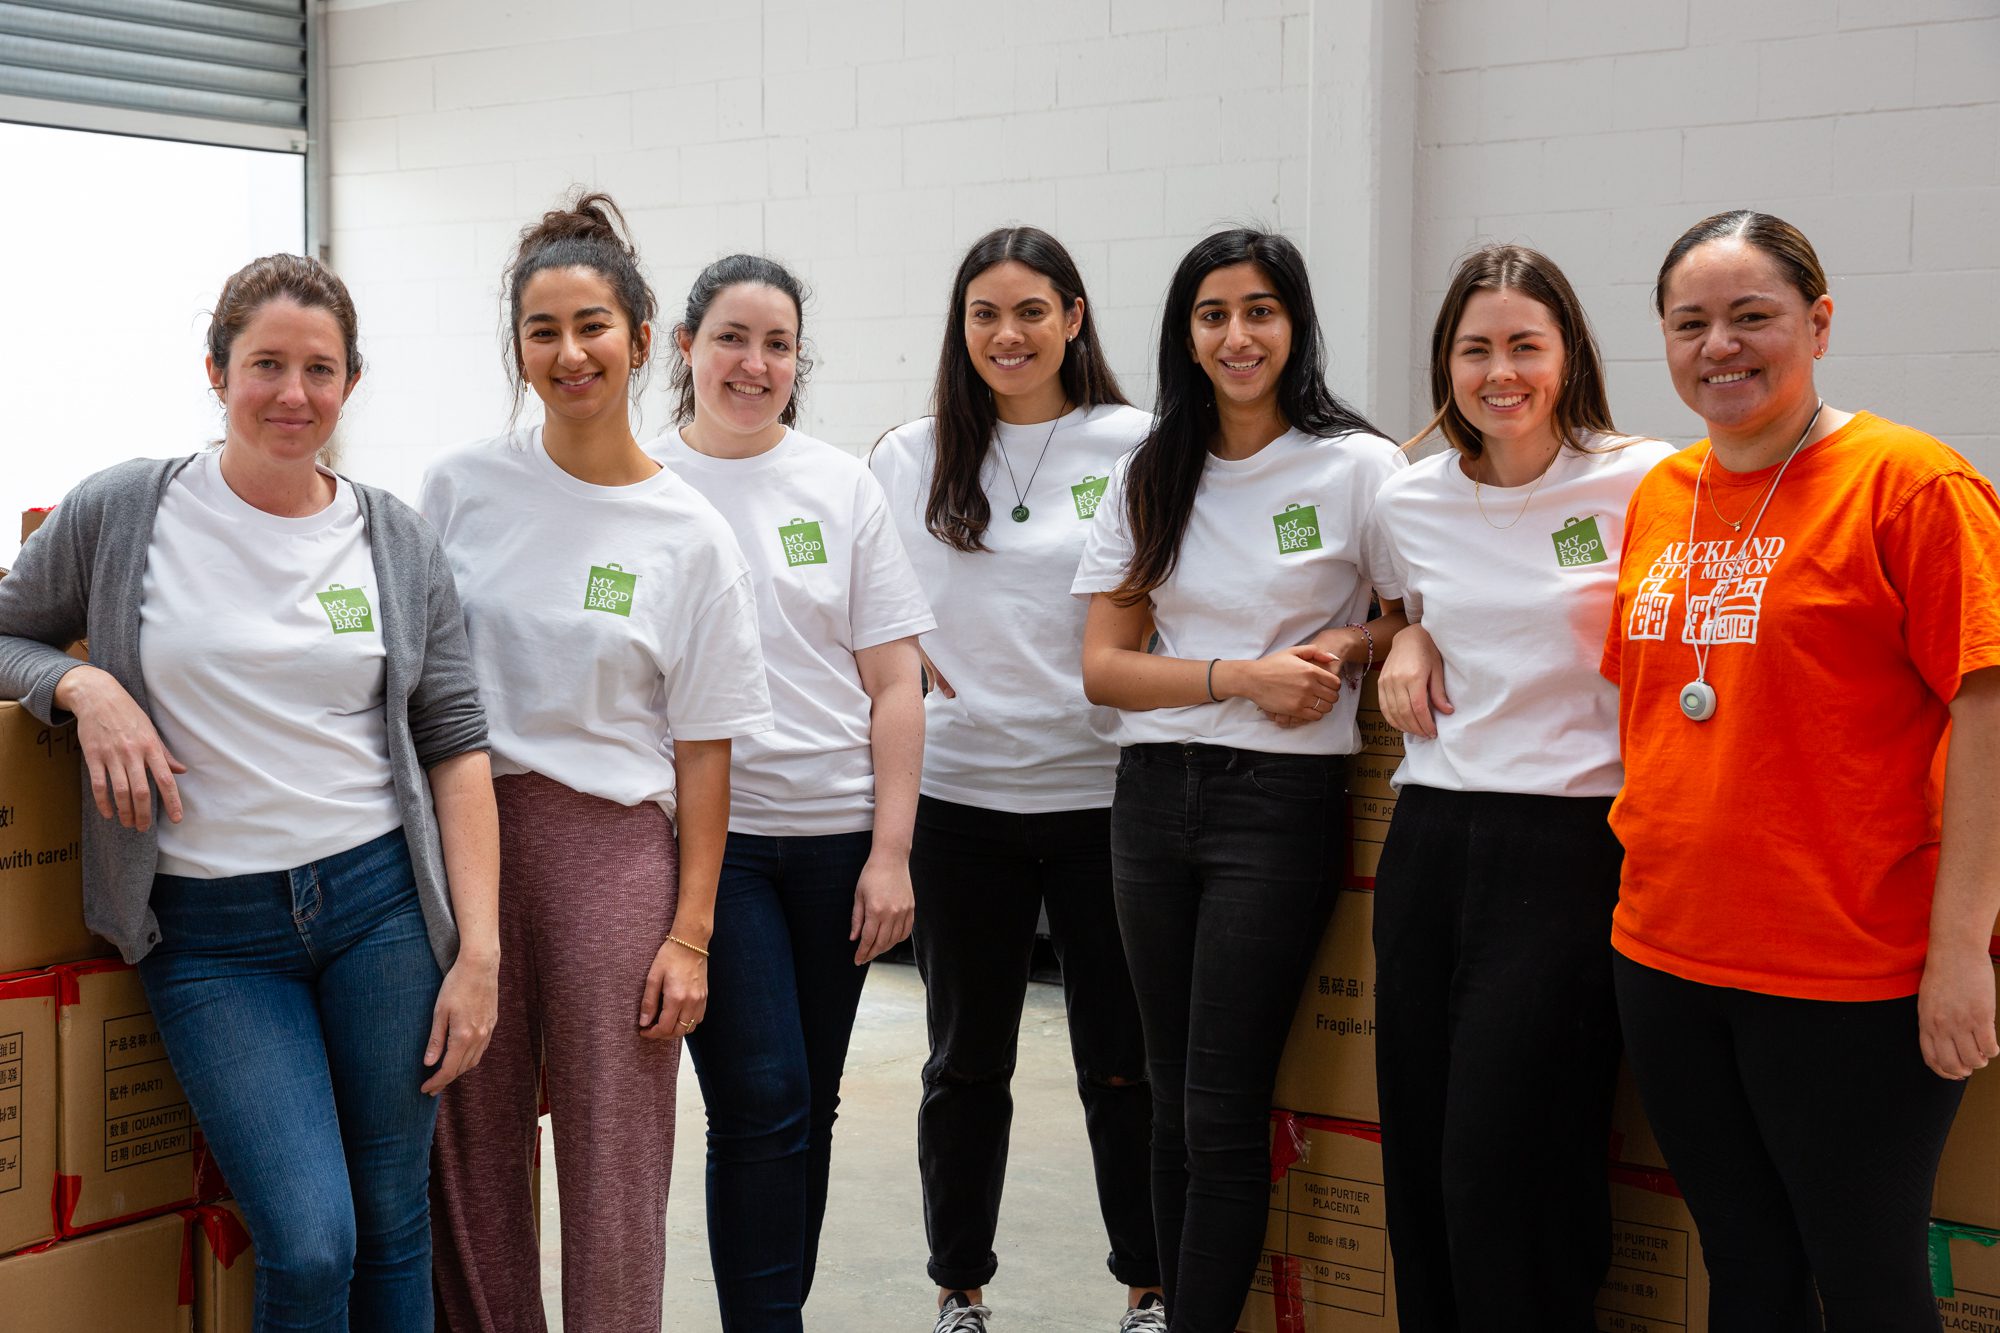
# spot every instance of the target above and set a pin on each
(993, 495)
(816, 873)
(1235, 533)
(1498, 1034)
(614, 632)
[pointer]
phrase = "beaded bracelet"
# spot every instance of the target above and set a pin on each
(1370, 663)
(675, 939)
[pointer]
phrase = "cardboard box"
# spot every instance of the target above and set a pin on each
(127, 1137)
(27, 1109)
(1965, 1277)
(122, 1281)
(225, 1271)
(41, 845)
(1632, 1141)
(1328, 1067)
(1968, 1182)
(1370, 798)
(1657, 1282)
(1325, 1266)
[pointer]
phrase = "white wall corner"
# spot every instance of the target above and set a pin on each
(1361, 168)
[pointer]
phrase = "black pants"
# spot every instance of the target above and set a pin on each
(1225, 860)
(982, 878)
(1496, 1045)
(1805, 1135)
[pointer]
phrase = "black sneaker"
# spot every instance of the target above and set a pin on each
(959, 1315)
(1148, 1316)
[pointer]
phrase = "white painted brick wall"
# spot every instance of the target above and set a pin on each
(867, 142)
(1598, 133)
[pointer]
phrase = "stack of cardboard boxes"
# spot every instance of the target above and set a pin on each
(108, 1203)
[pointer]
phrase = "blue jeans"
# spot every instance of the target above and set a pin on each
(295, 1006)
(782, 992)
(1225, 861)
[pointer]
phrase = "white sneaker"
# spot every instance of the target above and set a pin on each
(1148, 1316)
(959, 1315)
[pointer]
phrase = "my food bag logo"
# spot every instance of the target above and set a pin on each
(1298, 528)
(803, 543)
(610, 589)
(1578, 543)
(1088, 494)
(347, 609)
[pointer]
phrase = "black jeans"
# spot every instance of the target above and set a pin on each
(1805, 1135)
(1225, 861)
(982, 878)
(1496, 1044)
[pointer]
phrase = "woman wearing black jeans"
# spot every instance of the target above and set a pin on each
(993, 495)
(1235, 532)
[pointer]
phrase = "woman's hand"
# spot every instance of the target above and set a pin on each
(1412, 684)
(1299, 683)
(462, 1020)
(935, 677)
(1955, 1012)
(884, 907)
(676, 991)
(120, 748)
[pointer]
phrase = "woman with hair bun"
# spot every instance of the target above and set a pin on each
(816, 874)
(1808, 599)
(278, 653)
(993, 494)
(1234, 535)
(1497, 1037)
(614, 629)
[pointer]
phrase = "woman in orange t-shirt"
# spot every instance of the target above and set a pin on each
(1806, 599)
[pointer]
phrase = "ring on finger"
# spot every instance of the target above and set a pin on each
(687, 1025)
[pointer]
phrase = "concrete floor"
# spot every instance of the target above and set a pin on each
(871, 1269)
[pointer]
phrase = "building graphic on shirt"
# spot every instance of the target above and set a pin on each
(803, 543)
(347, 609)
(1727, 610)
(1298, 528)
(1087, 494)
(610, 589)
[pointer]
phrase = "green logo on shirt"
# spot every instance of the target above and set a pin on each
(1298, 528)
(610, 589)
(1087, 493)
(1578, 543)
(803, 543)
(347, 610)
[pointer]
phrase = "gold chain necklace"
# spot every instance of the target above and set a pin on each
(1530, 499)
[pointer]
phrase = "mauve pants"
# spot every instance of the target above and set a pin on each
(587, 891)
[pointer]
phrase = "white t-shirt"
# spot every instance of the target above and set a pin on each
(604, 620)
(831, 579)
(1020, 736)
(265, 674)
(1272, 555)
(1519, 613)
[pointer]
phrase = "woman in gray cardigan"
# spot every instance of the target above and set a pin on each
(279, 654)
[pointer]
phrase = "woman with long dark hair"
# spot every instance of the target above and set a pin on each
(1500, 870)
(815, 875)
(1234, 532)
(994, 494)
(614, 631)
(1808, 598)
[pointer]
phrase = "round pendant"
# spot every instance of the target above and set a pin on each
(1698, 700)
(1020, 513)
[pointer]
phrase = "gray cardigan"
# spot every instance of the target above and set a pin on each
(81, 575)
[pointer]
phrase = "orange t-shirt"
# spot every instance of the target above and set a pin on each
(1788, 845)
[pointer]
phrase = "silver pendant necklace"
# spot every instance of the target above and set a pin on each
(1020, 511)
(1698, 699)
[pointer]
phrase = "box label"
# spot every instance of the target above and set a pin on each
(12, 1046)
(145, 1112)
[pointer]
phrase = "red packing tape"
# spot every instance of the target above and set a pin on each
(187, 1258)
(28, 986)
(68, 1190)
(1645, 1178)
(226, 1236)
(1288, 1307)
(70, 977)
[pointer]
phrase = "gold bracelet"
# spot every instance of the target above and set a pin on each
(675, 939)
